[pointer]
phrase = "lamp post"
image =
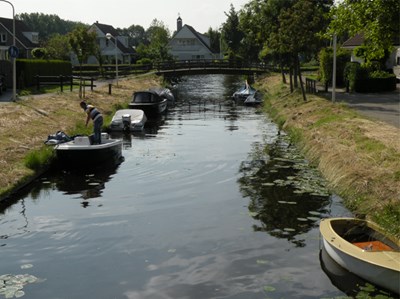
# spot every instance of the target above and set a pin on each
(13, 58)
(109, 36)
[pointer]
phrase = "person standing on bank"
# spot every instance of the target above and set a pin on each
(94, 114)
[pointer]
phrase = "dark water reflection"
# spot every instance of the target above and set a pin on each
(209, 202)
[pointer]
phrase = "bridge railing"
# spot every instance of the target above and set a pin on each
(208, 64)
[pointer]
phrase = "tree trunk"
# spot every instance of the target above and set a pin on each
(291, 78)
(301, 80)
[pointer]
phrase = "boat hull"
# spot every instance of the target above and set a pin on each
(378, 267)
(151, 109)
(71, 155)
(152, 102)
(136, 118)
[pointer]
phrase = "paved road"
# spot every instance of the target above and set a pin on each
(381, 106)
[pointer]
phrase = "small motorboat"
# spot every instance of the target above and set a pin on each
(244, 92)
(80, 152)
(254, 99)
(132, 120)
(362, 248)
(151, 102)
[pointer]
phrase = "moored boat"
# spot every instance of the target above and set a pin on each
(244, 92)
(150, 101)
(81, 153)
(132, 120)
(254, 99)
(363, 249)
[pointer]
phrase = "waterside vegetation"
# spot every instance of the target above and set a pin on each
(359, 157)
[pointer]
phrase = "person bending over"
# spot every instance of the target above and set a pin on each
(94, 114)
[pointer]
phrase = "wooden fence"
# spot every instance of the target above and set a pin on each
(63, 80)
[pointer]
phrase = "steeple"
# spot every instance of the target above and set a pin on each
(178, 23)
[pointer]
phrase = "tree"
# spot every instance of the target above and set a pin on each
(299, 26)
(157, 48)
(58, 47)
(215, 39)
(83, 44)
(232, 35)
(377, 20)
(47, 25)
(136, 34)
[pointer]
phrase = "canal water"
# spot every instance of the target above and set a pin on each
(211, 201)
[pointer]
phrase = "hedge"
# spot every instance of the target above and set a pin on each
(27, 69)
(375, 84)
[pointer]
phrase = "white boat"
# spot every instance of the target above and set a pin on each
(244, 92)
(360, 247)
(128, 120)
(80, 153)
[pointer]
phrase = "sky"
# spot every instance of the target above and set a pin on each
(200, 14)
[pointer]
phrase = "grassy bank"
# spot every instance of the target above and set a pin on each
(359, 157)
(26, 123)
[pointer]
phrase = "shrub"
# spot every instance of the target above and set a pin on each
(326, 65)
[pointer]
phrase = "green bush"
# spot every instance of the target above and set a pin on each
(376, 84)
(326, 65)
(368, 79)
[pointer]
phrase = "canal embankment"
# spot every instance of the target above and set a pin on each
(358, 156)
(26, 123)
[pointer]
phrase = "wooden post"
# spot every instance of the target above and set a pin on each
(61, 83)
(109, 88)
(37, 82)
(71, 82)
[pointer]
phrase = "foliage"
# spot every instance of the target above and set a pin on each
(363, 78)
(27, 69)
(231, 33)
(326, 65)
(47, 25)
(137, 35)
(58, 47)
(83, 43)
(215, 38)
(39, 159)
(157, 48)
(353, 72)
(378, 21)
(39, 53)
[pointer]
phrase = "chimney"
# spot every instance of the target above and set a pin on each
(178, 24)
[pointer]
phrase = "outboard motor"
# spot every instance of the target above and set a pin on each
(126, 122)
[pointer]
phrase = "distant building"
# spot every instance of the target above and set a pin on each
(125, 54)
(25, 39)
(188, 44)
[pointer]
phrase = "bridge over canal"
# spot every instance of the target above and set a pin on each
(199, 67)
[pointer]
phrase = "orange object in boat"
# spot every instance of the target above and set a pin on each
(373, 246)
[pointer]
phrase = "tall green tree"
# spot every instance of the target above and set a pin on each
(156, 47)
(215, 39)
(298, 32)
(83, 44)
(378, 21)
(231, 33)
